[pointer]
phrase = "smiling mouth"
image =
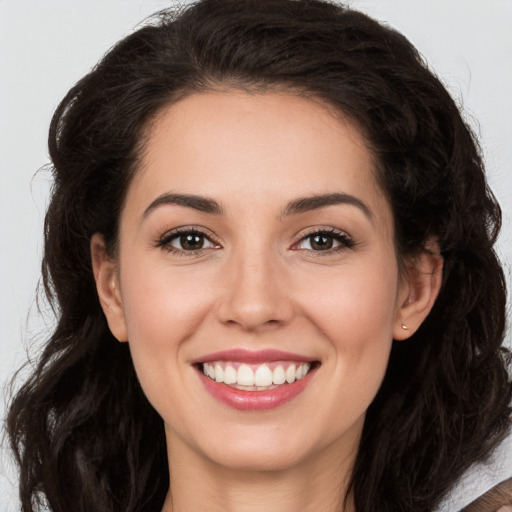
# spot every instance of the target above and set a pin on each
(256, 377)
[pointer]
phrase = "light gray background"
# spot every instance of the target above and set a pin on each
(45, 46)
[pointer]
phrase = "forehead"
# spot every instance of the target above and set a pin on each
(255, 149)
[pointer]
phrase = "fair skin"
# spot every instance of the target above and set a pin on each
(265, 267)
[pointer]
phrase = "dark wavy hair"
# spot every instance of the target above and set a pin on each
(84, 435)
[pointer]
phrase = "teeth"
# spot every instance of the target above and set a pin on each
(245, 376)
(259, 377)
(263, 376)
(290, 374)
(219, 373)
(278, 375)
(230, 375)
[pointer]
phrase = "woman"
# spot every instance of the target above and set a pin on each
(270, 245)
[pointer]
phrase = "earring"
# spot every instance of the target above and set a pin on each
(404, 327)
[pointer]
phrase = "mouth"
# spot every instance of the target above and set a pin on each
(252, 377)
(247, 380)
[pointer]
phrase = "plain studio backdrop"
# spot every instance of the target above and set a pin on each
(45, 47)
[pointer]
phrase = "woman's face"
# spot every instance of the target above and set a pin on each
(255, 244)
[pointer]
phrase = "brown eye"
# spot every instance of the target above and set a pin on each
(321, 242)
(190, 242)
(325, 241)
(186, 241)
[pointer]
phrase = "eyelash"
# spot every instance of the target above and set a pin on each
(344, 240)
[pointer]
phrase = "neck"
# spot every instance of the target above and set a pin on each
(317, 484)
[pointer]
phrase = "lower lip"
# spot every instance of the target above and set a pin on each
(254, 400)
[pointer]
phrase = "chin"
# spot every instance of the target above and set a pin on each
(257, 460)
(265, 451)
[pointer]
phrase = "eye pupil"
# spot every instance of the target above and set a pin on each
(321, 242)
(192, 241)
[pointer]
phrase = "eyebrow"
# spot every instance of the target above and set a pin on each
(200, 203)
(306, 204)
(297, 206)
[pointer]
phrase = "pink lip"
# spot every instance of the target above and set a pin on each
(254, 400)
(252, 357)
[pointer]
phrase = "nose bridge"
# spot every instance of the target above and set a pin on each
(255, 295)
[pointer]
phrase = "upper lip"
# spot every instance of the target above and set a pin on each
(252, 356)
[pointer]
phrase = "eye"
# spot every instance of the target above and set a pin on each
(190, 242)
(186, 240)
(325, 240)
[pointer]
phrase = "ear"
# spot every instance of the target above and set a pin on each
(418, 291)
(107, 284)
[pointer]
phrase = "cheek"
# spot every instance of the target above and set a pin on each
(356, 305)
(162, 309)
(355, 311)
(161, 304)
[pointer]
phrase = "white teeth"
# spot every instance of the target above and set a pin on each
(219, 373)
(278, 375)
(290, 374)
(260, 378)
(245, 376)
(230, 375)
(263, 376)
(303, 369)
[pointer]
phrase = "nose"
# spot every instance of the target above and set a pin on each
(254, 296)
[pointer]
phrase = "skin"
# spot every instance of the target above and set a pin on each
(259, 284)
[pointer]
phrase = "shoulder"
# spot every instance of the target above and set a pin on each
(492, 501)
